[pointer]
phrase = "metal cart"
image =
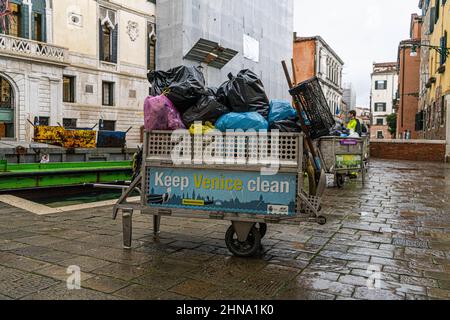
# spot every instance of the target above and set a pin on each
(236, 191)
(344, 156)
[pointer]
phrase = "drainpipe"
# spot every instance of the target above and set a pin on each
(402, 98)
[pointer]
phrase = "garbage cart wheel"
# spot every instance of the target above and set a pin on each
(340, 181)
(321, 220)
(262, 229)
(245, 249)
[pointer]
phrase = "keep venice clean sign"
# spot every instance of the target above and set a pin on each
(224, 191)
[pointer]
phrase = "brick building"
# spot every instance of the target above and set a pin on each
(314, 57)
(409, 82)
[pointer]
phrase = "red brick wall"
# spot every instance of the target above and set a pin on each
(409, 81)
(374, 132)
(414, 151)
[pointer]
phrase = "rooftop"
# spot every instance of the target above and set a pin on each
(324, 43)
(384, 67)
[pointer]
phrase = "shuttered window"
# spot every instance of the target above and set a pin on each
(432, 19)
(108, 35)
(444, 48)
(15, 20)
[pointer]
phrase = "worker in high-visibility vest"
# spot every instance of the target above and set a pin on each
(354, 125)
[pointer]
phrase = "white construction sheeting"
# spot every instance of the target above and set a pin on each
(268, 25)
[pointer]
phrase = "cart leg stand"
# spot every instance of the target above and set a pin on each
(156, 225)
(242, 229)
(127, 226)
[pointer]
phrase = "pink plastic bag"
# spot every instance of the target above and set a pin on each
(160, 114)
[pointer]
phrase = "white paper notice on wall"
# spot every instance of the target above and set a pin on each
(251, 48)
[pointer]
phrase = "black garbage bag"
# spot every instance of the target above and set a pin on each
(289, 125)
(212, 91)
(206, 109)
(244, 93)
(182, 85)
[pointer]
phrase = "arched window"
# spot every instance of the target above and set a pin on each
(151, 50)
(108, 36)
(106, 43)
(6, 109)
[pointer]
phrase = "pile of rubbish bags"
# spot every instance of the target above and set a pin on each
(179, 99)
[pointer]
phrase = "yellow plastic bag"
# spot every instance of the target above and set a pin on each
(201, 129)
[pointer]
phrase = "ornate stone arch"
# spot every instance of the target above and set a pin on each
(14, 102)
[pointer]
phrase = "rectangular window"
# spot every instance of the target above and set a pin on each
(108, 93)
(15, 20)
(70, 123)
(380, 107)
(69, 89)
(381, 85)
(107, 125)
(42, 121)
(380, 135)
(380, 122)
(37, 19)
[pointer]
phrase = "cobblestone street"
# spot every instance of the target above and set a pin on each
(398, 224)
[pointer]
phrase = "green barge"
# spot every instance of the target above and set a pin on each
(15, 177)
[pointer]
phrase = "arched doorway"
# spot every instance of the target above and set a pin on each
(7, 117)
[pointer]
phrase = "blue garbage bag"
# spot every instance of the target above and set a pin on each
(281, 110)
(244, 121)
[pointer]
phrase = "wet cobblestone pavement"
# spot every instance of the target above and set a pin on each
(398, 224)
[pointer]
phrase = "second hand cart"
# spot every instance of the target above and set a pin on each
(234, 191)
(344, 156)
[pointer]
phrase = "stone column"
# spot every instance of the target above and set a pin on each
(55, 101)
(49, 21)
(32, 105)
(30, 17)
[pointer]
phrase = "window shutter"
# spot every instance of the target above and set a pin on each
(100, 41)
(444, 49)
(44, 28)
(115, 34)
(25, 21)
(432, 19)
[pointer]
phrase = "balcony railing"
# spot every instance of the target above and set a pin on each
(32, 49)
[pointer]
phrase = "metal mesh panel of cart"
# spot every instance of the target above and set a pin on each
(319, 117)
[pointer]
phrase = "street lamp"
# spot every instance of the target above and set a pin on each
(444, 52)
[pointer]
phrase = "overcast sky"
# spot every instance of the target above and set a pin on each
(360, 31)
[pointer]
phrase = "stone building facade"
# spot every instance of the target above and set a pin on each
(314, 57)
(75, 63)
(384, 90)
(435, 79)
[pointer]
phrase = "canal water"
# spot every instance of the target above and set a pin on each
(63, 197)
